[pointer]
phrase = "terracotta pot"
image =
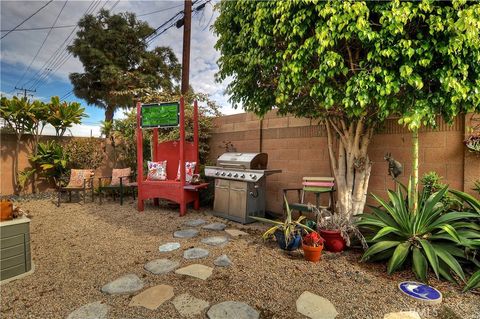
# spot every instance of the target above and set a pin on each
(312, 253)
(6, 210)
(334, 241)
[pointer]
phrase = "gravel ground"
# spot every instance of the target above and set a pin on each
(78, 248)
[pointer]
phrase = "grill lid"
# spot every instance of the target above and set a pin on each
(243, 160)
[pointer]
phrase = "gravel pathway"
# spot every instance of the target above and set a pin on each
(77, 249)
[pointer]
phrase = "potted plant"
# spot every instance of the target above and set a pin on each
(288, 232)
(335, 229)
(312, 245)
(473, 143)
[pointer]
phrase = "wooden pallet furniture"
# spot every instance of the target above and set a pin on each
(175, 153)
(317, 186)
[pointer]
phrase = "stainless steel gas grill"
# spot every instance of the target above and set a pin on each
(240, 185)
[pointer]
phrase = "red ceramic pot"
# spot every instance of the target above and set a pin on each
(334, 241)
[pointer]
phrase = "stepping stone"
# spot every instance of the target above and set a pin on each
(232, 310)
(161, 266)
(124, 285)
(185, 233)
(215, 240)
(189, 306)
(195, 253)
(94, 310)
(153, 297)
(235, 232)
(223, 261)
(196, 270)
(195, 222)
(168, 247)
(402, 315)
(315, 307)
(215, 226)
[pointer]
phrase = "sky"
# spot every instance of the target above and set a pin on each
(37, 60)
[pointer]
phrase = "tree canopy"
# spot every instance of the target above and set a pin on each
(113, 51)
(352, 64)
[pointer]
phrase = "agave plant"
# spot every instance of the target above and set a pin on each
(473, 282)
(289, 226)
(428, 236)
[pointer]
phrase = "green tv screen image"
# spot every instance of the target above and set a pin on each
(160, 114)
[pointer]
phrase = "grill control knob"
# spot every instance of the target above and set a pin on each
(242, 176)
(223, 173)
(236, 175)
(254, 177)
(217, 173)
(229, 174)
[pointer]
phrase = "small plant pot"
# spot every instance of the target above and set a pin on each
(6, 210)
(311, 253)
(334, 241)
(292, 245)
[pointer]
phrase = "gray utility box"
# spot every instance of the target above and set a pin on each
(15, 257)
(237, 200)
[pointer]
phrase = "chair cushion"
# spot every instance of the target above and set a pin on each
(77, 176)
(189, 171)
(120, 172)
(157, 171)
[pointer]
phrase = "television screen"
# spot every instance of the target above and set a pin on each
(160, 114)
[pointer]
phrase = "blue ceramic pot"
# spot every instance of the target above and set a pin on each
(294, 243)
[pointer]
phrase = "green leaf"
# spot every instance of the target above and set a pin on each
(419, 265)
(379, 247)
(431, 255)
(473, 282)
(398, 257)
(450, 261)
(385, 231)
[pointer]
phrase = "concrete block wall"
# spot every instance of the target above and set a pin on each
(298, 146)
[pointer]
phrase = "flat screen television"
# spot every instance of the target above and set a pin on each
(160, 115)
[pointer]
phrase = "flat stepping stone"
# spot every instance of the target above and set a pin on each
(168, 247)
(94, 310)
(195, 253)
(215, 226)
(223, 261)
(161, 266)
(235, 232)
(195, 222)
(124, 285)
(232, 310)
(153, 297)
(189, 306)
(402, 315)
(215, 240)
(186, 233)
(196, 270)
(315, 307)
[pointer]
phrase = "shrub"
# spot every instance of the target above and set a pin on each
(50, 160)
(431, 182)
(84, 153)
(430, 236)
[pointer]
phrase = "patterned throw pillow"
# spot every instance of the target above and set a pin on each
(120, 172)
(157, 171)
(77, 176)
(189, 171)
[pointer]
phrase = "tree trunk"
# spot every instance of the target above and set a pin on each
(109, 111)
(415, 169)
(16, 186)
(350, 165)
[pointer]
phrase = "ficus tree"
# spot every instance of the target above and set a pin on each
(351, 65)
(113, 51)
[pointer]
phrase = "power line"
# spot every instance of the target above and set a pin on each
(157, 11)
(3, 36)
(40, 28)
(43, 43)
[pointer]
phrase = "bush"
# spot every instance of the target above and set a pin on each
(431, 182)
(84, 153)
(430, 236)
(51, 160)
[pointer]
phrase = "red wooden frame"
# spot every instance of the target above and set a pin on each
(175, 153)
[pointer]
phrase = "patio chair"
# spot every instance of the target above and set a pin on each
(120, 181)
(317, 186)
(80, 180)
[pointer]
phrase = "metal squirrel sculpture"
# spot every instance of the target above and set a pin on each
(394, 167)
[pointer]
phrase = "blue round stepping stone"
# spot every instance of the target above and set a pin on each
(421, 292)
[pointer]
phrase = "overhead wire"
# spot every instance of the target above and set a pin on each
(43, 43)
(29, 17)
(40, 28)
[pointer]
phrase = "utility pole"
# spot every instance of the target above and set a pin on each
(25, 91)
(187, 27)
